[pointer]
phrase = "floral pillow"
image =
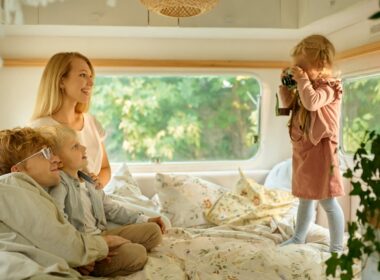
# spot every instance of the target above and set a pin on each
(184, 199)
(250, 203)
(261, 195)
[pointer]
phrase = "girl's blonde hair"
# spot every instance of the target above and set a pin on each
(58, 135)
(50, 97)
(320, 52)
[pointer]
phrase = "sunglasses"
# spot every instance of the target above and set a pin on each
(46, 152)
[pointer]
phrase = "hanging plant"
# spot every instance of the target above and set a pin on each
(364, 238)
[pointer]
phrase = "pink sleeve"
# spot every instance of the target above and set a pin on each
(285, 97)
(313, 99)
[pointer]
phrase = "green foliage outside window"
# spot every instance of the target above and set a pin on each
(178, 118)
(361, 109)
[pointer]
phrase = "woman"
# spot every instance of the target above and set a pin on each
(63, 97)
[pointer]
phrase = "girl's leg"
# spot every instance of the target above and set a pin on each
(336, 223)
(305, 214)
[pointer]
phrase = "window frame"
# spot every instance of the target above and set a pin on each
(191, 166)
(355, 75)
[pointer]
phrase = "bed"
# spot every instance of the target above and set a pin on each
(219, 227)
(220, 232)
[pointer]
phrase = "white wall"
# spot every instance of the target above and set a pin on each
(18, 87)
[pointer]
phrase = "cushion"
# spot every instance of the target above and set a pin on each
(262, 195)
(123, 189)
(184, 198)
(280, 176)
(250, 203)
(122, 183)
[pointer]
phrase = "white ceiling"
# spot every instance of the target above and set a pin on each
(235, 29)
(278, 19)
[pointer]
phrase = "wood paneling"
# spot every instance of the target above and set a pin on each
(162, 63)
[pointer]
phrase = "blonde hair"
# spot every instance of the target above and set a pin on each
(50, 98)
(317, 49)
(320, 52)
(58, 135)
(19, 143)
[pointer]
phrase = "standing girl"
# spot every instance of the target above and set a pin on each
(63, 98)
(314, 132)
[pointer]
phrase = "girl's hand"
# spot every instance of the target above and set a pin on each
(285, 72)
(297, 72)
(159, 222)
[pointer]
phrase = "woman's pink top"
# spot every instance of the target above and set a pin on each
(316, 173)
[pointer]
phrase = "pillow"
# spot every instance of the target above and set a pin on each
(250, 203)
(280, 176)
(122, 183)
(184, 199)
(261, 195)
(124, 188)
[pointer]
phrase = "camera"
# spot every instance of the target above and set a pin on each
(287, 79)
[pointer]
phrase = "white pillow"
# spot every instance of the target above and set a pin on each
(122, 183)
(280, 176)
(123, 187)
(184, 199)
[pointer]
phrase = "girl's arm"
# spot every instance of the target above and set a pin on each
(313, 99)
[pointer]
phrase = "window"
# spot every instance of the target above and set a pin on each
(178, 118)
(361, 103)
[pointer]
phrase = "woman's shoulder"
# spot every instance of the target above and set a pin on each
(90, 122)
(42, 122)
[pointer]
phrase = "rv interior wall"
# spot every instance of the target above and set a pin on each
(203, 38)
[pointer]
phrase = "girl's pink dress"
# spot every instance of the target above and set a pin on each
(316, 173)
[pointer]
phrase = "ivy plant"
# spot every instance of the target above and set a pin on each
(365, 179)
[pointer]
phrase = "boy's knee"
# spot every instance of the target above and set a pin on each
(130, 258)
(133, 256)
(155, 235)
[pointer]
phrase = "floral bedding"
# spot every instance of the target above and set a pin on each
(231, 234)
(232, 253)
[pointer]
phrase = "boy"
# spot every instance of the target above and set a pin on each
(89, 209)
(28, 213)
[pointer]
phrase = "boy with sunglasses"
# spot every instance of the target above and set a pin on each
(28, 215)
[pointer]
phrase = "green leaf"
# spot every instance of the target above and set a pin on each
(332, 264)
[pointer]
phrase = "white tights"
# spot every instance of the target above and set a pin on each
(335, 218)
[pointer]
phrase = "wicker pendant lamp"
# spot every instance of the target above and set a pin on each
(179, 8)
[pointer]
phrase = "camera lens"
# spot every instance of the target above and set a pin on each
(288, 81)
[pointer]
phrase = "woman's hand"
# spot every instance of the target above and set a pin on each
(97, 183)
(159, 222)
